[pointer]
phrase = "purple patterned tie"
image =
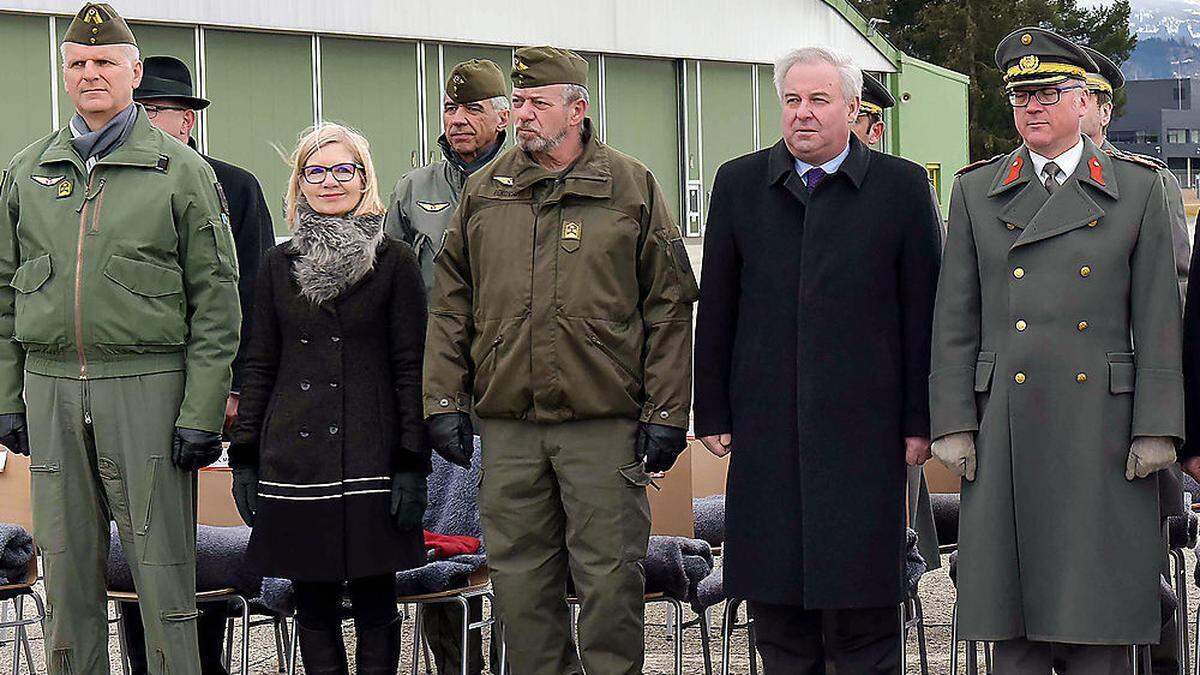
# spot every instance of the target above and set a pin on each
(814, 176)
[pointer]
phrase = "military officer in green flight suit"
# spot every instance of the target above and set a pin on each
(119, 320)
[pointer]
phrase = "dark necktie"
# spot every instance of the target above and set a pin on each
(814, 176)
(1050, 170)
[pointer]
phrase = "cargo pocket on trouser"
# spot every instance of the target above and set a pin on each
(165, 530)
(178, 653)
(636, 505)
(49, 506)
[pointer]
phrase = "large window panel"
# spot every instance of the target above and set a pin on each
(769, 110)
(387, 114)
(260, 86)
(643, 117)
(726, 116)
(25, 106)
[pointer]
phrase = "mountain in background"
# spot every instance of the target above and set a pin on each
(1168, 34)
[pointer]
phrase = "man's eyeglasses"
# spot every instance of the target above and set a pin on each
(314, 174)
(1019, 98)
(153, 110)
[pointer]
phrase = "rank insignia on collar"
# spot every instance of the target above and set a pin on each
(64, 189)
(1014, 170)
(433, 207)
(503, 180)
(1096, 169)
(47, 181)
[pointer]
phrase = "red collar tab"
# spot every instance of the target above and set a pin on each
(1097, 170)
(1014, 170)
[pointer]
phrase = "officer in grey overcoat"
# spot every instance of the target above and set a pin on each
(1056, 385)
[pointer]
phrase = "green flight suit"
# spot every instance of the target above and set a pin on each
(119, 318)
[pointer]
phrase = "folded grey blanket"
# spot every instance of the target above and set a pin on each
(1191, 486)
(220, 561)
(16, 550)
(914, 564)
(1182, 530)
(709, 515)
(439, 575)
(675, 565)
(710, 592)
(277, 596)
(454, 497)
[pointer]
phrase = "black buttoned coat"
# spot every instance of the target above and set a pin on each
(332, 405)
(812, 350)
(1057, 341)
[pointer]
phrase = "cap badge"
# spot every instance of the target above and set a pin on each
(1026, 39)
(93, 16)
(1029, 63)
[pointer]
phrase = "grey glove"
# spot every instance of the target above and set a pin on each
(193, 449)
(245, 492)
(1148, 454)
(410, 496)
(957, 452)
(14, 435)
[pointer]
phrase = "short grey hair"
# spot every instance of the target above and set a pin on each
(574, 92)
(851, 74)
(131, 52)
(500, 103)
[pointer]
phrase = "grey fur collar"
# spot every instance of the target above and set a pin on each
(334, 252)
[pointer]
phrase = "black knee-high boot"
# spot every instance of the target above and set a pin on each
(322, 650)
(378, 650)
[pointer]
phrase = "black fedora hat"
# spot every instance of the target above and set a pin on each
(167, 77)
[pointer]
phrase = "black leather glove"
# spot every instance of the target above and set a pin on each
(245, 492)
(659, 445)
(410, 496)
(14, 435)
(453, 437)
(193, 449)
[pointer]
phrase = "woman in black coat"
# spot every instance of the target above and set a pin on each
(329, 455)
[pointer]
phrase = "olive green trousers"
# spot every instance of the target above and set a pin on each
(101, 452)
(566, 502)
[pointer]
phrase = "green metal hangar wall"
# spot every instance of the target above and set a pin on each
(684, 85)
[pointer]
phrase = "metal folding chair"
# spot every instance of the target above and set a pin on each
(729, 623)
(16, 593)
(675, 626)
(478, 586)
(219, 595)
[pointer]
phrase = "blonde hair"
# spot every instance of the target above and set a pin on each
(317, 137)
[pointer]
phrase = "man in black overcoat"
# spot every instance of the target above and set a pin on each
(166, 93)
(812, 356)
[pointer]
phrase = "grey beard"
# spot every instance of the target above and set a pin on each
(541, 144)
(335, 251)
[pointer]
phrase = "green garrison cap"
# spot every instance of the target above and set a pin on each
(540, 66)
(99, 24)
(875, 97)
(1108, 78)
(1031, 56)
(475, 80)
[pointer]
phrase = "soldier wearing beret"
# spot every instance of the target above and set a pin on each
(119, 319)
(474, 116)
(561, 314)
(1056, 388)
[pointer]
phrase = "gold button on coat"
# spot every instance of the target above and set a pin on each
(1085, 271)
(1010, 226)
(1081, 378)
(1020, 378)
(1019, 272)
(1083, 325)
(1021, 325)
(1093, 224)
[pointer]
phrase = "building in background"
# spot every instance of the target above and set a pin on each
(683, 86)
(1162, 118)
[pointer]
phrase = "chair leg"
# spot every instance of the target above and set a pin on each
(293, 649)
(922, 647)
(25, 644)
(677, 633)
(245, 635)
(903, 637)
(122, 639)
(16, 657)
(954, 639)
(227, 659)
(464, 652)
(1181, 610)
(417, 640)
(727, 617)
(706, 642)
(751, 642)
